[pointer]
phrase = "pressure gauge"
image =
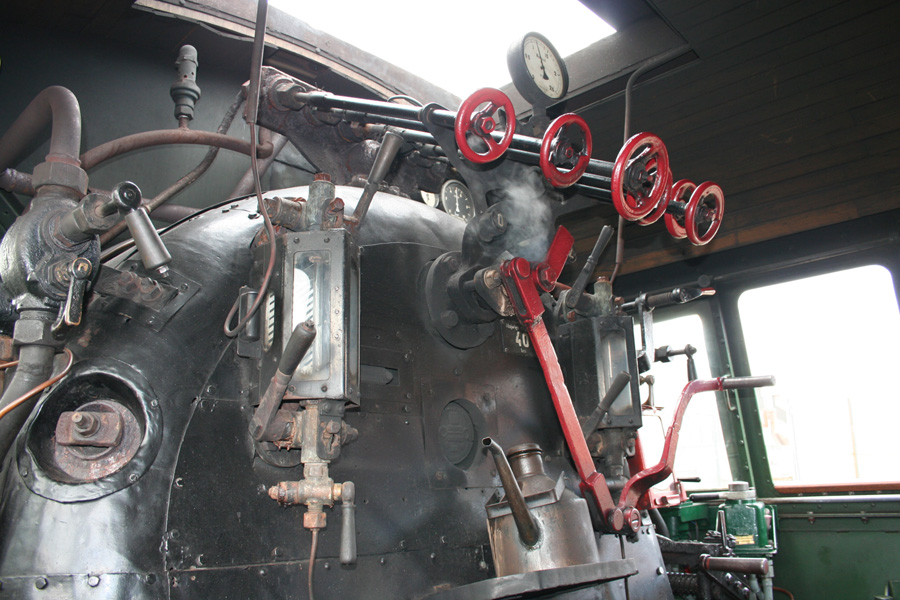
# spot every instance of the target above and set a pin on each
(430, 199)
(457, 200)
(537, 70)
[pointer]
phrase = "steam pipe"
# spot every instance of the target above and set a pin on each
(56, 104)
(17, 182)
(190, 177)
(245, 185)
(35, 366)
(529, 530)
(147, 139)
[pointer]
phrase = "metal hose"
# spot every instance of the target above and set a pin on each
(56, 104)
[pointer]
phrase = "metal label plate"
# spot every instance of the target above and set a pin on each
(515, 339)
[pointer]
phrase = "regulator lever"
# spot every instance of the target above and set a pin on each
(390, 145)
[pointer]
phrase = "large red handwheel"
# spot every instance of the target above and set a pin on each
(679, 192)
(660, 209)
(639, 176)
(481, 122)
(706, 207)
(558, 151)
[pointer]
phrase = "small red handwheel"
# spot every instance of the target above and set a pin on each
(660, 209)
(558, 152)
(472, 119)
(705, 208)
(679, 192)
(639, 176)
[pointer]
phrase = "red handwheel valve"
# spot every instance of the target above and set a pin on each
(481, 122)
(640, 176)
(559, 153)
(705, 209)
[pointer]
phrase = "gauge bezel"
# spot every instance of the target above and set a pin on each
(518, 70)
(443, 199)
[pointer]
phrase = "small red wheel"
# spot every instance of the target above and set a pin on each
(679, 191)
(660, 209)
(482, 122)
(558, 151)
(636, 182)
(706, 206)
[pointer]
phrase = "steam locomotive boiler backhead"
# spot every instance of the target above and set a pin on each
(308, 392)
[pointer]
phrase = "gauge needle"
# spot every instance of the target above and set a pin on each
(543, 69)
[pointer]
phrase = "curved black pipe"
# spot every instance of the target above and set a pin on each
(35, 366)
(54, 103)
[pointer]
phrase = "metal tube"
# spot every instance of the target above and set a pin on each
(147, 139)
(832, 499)
(529, 531)
(35, 366)
(749, 566)
(245, 185)
(56, 104)
(17, 182)
(578, 287)
(742, 383)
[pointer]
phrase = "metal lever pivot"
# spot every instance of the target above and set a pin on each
(150, 246)
(70, 312)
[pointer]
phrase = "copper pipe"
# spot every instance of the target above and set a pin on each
(56, 104)
(147, 139)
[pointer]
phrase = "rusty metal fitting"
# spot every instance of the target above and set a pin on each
(305, 491)
(62, 174)
(314, 519)
(322, 177)
(285, 212)
(95, 214)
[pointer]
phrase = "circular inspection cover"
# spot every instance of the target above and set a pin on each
(460, 428)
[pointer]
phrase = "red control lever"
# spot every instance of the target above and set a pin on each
(524, 284)
(641, 482)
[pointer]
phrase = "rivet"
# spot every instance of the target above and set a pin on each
(133, 477)
(326, 566)
(382, 561)
(40, 583)
(93, 581)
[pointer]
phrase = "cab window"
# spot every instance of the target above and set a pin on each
(831, 343)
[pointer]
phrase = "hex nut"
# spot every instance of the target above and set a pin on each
(61, 174)
(34, 331)
(88, 217)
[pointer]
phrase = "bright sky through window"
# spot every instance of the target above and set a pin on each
(461, 45)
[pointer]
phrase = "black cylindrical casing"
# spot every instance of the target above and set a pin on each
(250, 332)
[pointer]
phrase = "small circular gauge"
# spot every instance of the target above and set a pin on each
(432, 200)
(457, 200)
(537, 70)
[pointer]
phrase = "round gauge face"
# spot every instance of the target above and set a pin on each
(537, 70)
(457, 200)
(543, 67)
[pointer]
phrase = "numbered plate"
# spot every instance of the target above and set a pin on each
(515, 339)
